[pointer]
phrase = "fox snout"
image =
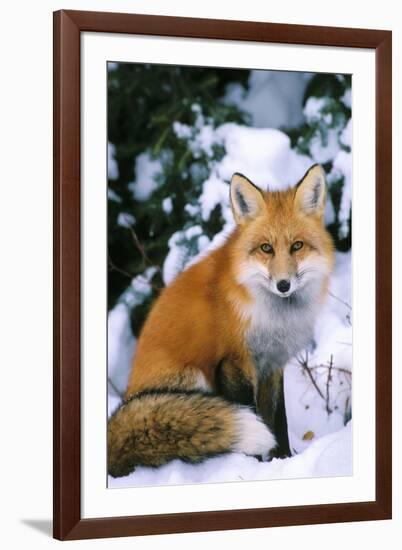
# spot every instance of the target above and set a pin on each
(283, 285)
(282, 268)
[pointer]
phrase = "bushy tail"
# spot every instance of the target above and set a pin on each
(155, 427)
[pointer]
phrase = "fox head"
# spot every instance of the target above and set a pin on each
(282, 244)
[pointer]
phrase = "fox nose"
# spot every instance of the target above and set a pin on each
(283, 285)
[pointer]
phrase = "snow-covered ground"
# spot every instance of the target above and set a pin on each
(318, 381)
(328, 456)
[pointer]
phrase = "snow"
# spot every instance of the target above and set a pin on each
(347, 98)
(323, 152)
(125, 220)
(313, 108)
(113, 196)
(121, 342)
(179, 255)
(167, 205)
(263, 155)
(306, 409)
(112, 167)
(328, 137)
(342, 169)
(192, 209)
(273, 99)
(235, 94)
(175, 259)
(138, 290)
(214, 192)
(204, 141)
(328, 456)
(203, 242)
(341, 286)
(200, 137)
(194, 231)
(147, 170)
(182, 131)
(141, 286)
(120, 351)
(346, 135)
(329, 214)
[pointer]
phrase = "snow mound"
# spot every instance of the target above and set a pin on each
(273, 99)
(264, 155)
(328, 456)
(147, 171)
(120, 351)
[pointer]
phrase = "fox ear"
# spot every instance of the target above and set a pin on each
(246, 199)
(311, 191)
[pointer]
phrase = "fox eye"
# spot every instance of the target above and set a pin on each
(296, 246)
(267, 248)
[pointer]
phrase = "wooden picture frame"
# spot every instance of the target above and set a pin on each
(68, 26)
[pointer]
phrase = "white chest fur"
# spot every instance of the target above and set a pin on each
(280, 327)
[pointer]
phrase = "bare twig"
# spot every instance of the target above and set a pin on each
(329, 379)
(339, 369)
(114, 388)
(348, 316)
(114, 267)
(340, 300)
(347, 412)
(146, 261)
(331, 368)
(140, 247)
(307, 370)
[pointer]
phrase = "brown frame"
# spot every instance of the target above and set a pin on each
(68, 26)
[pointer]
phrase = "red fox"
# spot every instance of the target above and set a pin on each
(207, 372)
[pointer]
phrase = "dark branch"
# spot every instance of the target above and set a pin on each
(304, 364)
(329, 379)
(146, 261)
(115, 389)
(114, 267)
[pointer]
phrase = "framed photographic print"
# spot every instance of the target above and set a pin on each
(222, 330)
